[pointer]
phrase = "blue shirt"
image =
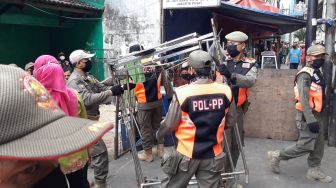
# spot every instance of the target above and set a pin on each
(294, 55)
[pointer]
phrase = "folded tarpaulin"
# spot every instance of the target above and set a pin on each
(257, 4)
(275, 21)
(179, 22)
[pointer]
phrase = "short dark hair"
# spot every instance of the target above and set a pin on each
(203, 72)
(136, 48)
(61, 53)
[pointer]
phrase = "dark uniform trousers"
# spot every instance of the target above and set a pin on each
(149, 121)
(232, 140)
(99, 160)
(94, 93)
(207, 172)
(308, 143)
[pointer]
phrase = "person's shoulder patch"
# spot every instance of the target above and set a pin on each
(246, 65)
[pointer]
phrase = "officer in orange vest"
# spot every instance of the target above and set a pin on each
(149, 105)
(309, 96)
(241, 74)
(197, 116)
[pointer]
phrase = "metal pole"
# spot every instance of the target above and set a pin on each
(116, 129)
(327, 72)
(311, 23)
(228, 150)
(242, 153)
(162, 28)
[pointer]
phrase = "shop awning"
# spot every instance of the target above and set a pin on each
(271, 21)
(231, 17)
(74, 6)
(256, 4)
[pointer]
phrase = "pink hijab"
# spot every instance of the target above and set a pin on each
(49, 72)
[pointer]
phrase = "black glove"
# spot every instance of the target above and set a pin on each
(131, 86)
(233, 78)
(314, 127)
(117, 90)
(223, 70)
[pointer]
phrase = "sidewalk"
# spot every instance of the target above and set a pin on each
(292, 175)
(292, 172)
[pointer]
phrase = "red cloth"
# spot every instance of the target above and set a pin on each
(303, 54)
(50, 74)
(258, 4)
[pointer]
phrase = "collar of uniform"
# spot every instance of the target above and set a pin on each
(242, 57)
(78, 74)
(202, 81)
(309, 65)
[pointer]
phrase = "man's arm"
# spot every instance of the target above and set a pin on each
(90, 98)
(245, 81)
(172, 119)
(108, 82)
(104, 85)
(303, 84)
(168, 87)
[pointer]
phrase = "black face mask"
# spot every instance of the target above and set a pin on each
(232, 50)
(56, 179)
(188, 76)
(88, 66)
(317, 63)
(185, 76)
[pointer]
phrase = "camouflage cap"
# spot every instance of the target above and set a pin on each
(199, 59)
(316, 50)
(236, 36)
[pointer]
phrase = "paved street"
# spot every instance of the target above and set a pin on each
(292, 172)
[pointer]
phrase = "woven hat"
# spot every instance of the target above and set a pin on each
(199, 59)
(32, 127)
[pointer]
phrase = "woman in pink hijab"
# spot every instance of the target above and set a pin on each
(50, 74)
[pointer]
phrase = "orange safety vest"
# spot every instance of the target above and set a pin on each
(200, 130)
(315, 92)
(148, 91)
(241, 67)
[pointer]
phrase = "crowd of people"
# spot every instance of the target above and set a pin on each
(293, 56)
(51, 131)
